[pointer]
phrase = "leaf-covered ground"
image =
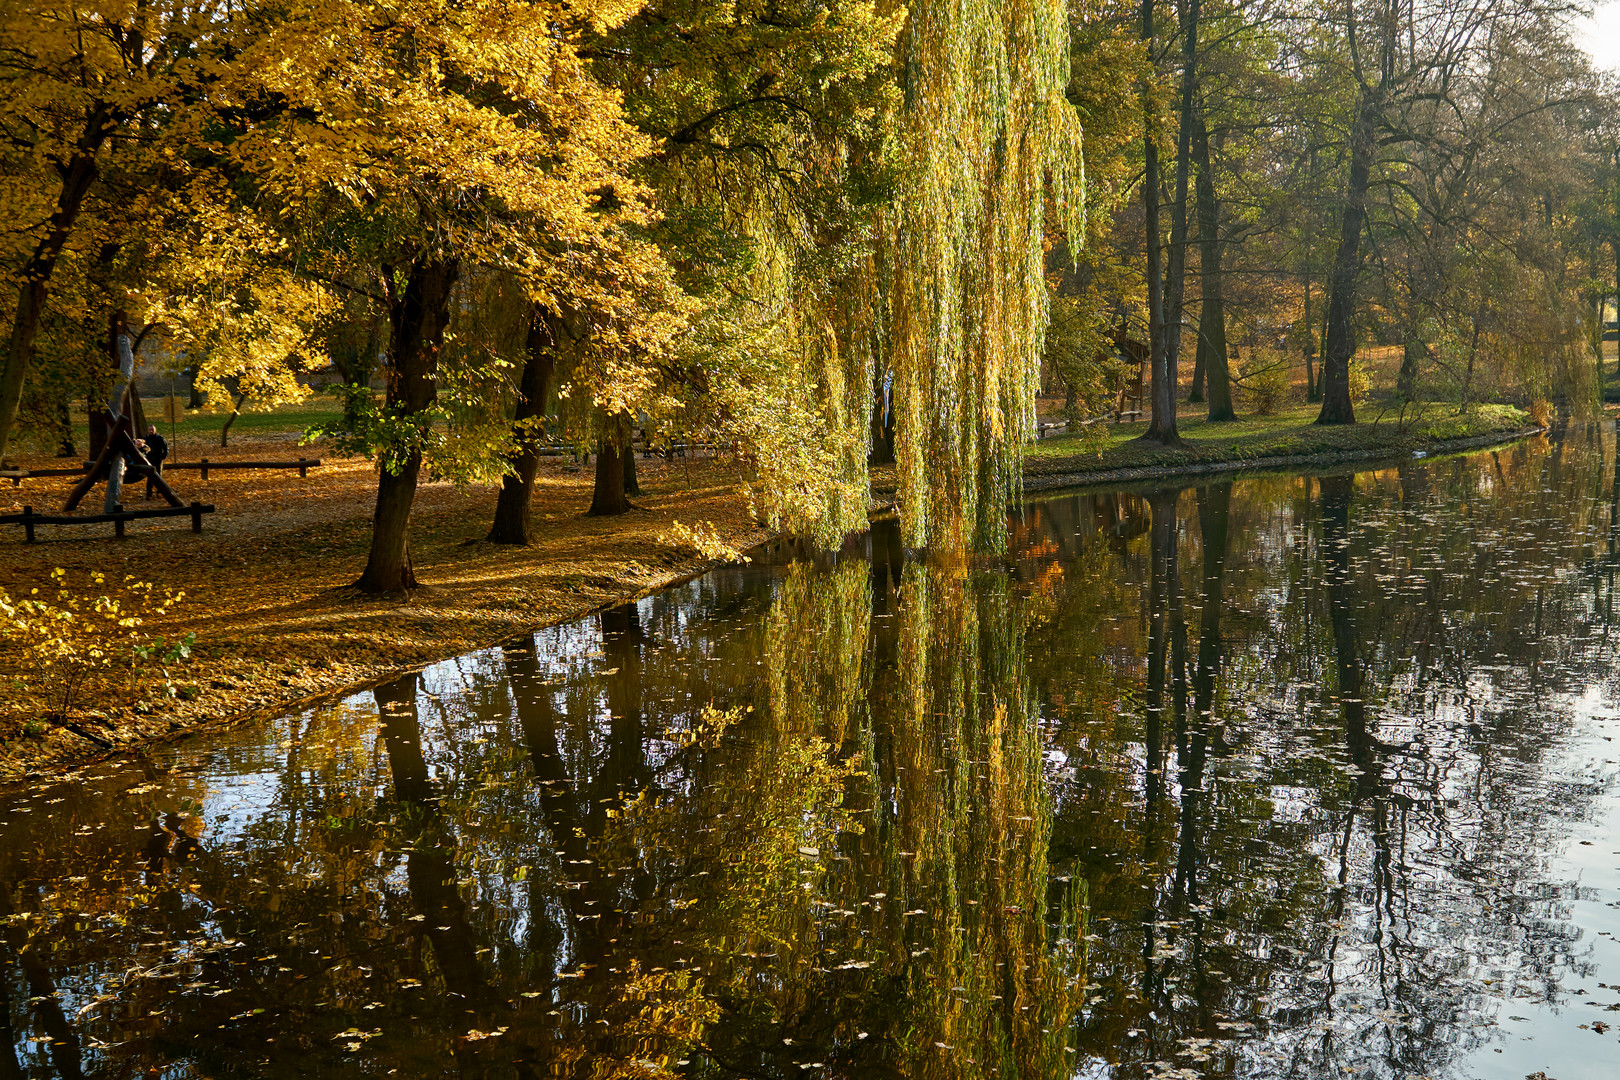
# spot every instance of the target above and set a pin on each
(267, 583)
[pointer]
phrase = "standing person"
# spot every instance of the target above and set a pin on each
(156, 449)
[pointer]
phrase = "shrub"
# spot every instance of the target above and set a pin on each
(1265, 383)
(72, 642)
(1542, 413)
(1360, 381)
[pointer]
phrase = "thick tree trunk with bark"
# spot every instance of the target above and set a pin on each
(1175, 289)
(417, 317)
(77, 177)
(1337, 408)
(609, 496)
(512, 523)
(1212, 313)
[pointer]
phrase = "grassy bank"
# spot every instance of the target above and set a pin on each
(1289, 437)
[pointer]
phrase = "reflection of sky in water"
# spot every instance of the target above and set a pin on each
(1548, 1035)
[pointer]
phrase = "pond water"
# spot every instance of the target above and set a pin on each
(1293, 776)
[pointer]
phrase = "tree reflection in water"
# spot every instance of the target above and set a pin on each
(1258, 778)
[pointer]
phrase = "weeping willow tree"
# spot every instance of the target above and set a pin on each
(771, 121)
(988, 141)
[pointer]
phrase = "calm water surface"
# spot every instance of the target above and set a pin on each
(1303, 777)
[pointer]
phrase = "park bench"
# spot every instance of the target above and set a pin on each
(30, 520)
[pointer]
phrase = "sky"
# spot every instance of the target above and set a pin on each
(1600, 35)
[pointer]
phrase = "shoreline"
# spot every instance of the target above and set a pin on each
(130, 730)
(1045, 484)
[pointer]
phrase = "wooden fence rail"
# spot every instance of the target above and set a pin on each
(303, 465)
(29, 520)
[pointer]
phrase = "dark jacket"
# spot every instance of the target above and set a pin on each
(156, 448)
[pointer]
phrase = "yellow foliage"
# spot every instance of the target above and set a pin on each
(60, 641)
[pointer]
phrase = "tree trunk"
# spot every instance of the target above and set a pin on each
(236, 410)
(417, 319)
(631, 485)
(1337, 408)
(1212, 313)
(512, 508)
(609, 497)
(1406, 381)
(77, 176)
(1175, 289)
(1310, 342)
(1162, 425)
(65, 447)
(882, 452)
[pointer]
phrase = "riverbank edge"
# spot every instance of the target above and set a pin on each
(1045, 484)
(67, 755)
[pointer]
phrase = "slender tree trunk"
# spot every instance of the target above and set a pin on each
(417, 318)
(631, 485)
(512, 523)
(236, 410)
(1212, 313)
(1162, 425)
(1175, 289)
(609, 497)
(77, 177)
(1406, 380)
(1337, 408)
(882, 419)
(1310, 342)
(65, 447)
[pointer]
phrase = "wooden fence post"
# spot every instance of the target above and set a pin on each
(196, 517)
(28, 526)
(205, 468)
(118, 525)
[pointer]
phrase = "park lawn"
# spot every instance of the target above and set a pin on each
(198, 432)
(1290, 433)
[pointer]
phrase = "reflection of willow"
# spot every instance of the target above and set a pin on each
(863, 869)
(815, 647)
(971, 802)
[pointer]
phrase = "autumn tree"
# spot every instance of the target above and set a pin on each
(771, 165)
(473, 137)
(94, 94)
